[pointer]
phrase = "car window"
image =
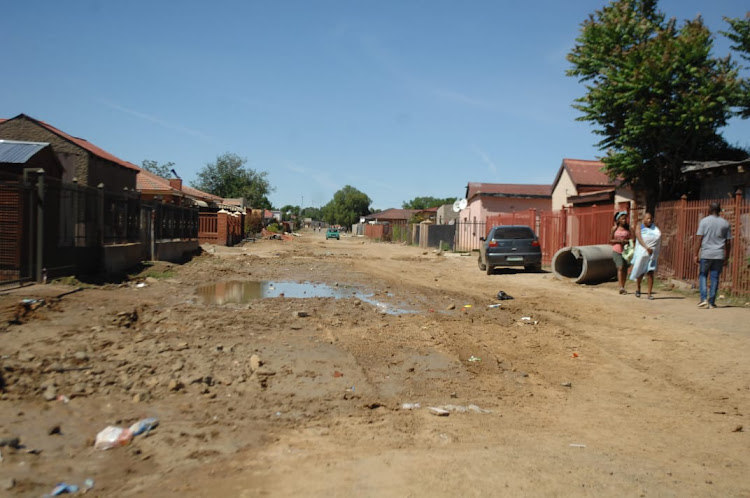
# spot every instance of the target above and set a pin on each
(513, 233)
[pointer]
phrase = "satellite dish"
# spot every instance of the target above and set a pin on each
(462, 204)
(456, 207)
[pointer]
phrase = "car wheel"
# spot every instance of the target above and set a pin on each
(490, 269)
(482, 266)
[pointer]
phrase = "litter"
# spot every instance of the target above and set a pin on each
(526, 320)
(473, 358)
(575, 355)
(63, 488)
(439, 411)
(493, 305)
(63, 398)
(140, 285)
(337, 374)
(144, 425)
(502, 296)
(566, 384)
(576, 445)
(467, 306)
(410, 406)
(112, 437)
(462, 409)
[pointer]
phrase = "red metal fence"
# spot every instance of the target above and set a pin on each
(678, 222)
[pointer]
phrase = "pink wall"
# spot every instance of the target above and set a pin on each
(482, 207)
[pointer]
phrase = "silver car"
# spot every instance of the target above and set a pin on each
(510, 245)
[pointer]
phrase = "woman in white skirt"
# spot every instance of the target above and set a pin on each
(646, 255)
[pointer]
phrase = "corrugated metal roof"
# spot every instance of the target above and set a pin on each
(16, 152)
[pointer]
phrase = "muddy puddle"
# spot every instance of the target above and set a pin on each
(246, 291)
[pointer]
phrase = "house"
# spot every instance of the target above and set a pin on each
(394, 216)
(172, 191)
(719, 179)
(445, 215)
(488, 199)
(80, 159)
(584, 183)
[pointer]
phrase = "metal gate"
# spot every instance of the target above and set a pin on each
(18, 226)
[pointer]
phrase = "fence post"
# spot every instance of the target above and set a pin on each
(735, 247)
(564, 226)
(680, 272)
(39, 224)
(100, 213)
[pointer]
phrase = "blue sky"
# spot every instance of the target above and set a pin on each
(397, 98)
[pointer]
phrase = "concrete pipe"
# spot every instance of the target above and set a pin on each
(584, 264)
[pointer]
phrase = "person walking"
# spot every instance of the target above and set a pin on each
(646, 255)
(618, 237)
(714, 240)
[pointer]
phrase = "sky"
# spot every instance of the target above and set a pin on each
(397, 98)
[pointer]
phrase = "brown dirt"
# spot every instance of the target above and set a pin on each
(606, 395)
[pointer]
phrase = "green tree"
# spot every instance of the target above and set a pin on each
(312, 212)
(427, 202)
(739, 33)
(288, 211)
(346, 207)
(228, 177)
(654, 93)
(162, 170)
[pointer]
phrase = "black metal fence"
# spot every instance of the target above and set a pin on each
(50, 228)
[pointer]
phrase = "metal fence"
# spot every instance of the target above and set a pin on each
(17, 222)
(678, 222)
(52, 228)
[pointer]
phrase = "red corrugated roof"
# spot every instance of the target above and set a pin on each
(145, 181)
(583, 173)
(508, 189)
(84, 144)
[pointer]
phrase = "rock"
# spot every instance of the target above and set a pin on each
(151, 280)
(140, 397)
(439, 412)
(300, 314)
(451, 307)
(26, 356)
(11, 442)
(55, 429)
(7, 484)
(178, 366)
(255, 362)
(81, 356)
(175, 385)
(50, 394)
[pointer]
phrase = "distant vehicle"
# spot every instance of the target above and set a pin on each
(332, 233)
(510, 245)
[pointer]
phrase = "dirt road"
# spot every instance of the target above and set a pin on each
(593, 394)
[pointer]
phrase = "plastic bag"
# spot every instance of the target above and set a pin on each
(112, 437)
(628, 250)
(144, 425)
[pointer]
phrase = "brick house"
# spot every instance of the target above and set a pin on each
(584, 183)
(488, 199)
(80, 159)
(172, 191)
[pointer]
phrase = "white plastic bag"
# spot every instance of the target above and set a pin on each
(112, 437)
